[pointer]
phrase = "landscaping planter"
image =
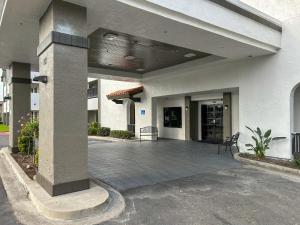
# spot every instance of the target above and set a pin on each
(269, 163)
(26, 163)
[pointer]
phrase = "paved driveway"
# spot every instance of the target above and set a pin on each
(126, 165)
(187, 183)
(215, 190)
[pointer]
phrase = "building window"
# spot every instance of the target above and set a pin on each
(34, 90)
(93, 89)
(173, 117)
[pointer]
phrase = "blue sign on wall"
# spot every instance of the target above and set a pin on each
(143, 112)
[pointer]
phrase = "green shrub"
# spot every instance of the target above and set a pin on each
(29, 131)
(104, 131)
(36, 158)
(92, 131)
(297, 162)
(121, 134)
(262, 142)
(25, 144)
(93, 128)
(94, 125)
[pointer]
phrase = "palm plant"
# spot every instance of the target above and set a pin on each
(262, 142)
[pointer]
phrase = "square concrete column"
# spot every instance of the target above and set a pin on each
(227, 115)
(19, 104)
(63, 99)
(99, 101)
(187, 109)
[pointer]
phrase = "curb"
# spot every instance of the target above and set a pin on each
(267, 165)
(100, 138)
(57, 208)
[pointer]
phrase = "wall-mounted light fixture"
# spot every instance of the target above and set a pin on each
(226, 107)
(41, 79)
(186, 108)
(6, 98)
(110, 36)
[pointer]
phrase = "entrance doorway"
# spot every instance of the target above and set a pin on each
(212, 123)
(131, 121)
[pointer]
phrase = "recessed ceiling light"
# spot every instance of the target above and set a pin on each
(189, 55)
(110, 36)
(140, 70)
(129, 57)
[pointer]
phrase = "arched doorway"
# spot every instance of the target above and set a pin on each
(131, 116)
(295, 121)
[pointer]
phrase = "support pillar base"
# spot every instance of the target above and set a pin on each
(63, 188)
(13, 149)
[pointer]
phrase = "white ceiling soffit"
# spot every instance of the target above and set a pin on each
(19, 28)
(152, 21)
(19, 31)
(113, 74)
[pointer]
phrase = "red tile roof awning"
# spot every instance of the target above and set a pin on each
(126, 93)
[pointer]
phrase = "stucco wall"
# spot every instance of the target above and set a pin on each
(167, 132)
(264, 84)
(93, 104)
(278, 9)
(202, 10)
(114, 115)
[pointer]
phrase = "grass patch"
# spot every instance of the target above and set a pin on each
(3, 128)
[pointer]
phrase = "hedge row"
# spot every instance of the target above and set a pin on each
(95, 129)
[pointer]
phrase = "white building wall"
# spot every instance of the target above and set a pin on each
(279, 9)
(264, 84)
(211, 13)
(168, 132)
(93, 104)
(114, 115)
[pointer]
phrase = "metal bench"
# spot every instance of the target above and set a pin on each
(229, 142)
(149, 132)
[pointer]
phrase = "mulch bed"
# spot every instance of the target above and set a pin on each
(280, 162)
(25, 162)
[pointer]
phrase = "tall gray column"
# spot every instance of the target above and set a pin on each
(187, 108)
(63, 99)
(227, 115)
(19, 104)
(99, 101)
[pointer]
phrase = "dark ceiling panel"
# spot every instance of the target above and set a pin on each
(124, 52)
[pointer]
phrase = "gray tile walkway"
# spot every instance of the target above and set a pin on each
(126, 165)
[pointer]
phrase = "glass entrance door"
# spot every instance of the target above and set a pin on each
(212, 123)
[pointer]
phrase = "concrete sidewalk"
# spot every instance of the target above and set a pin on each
(7, 216)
